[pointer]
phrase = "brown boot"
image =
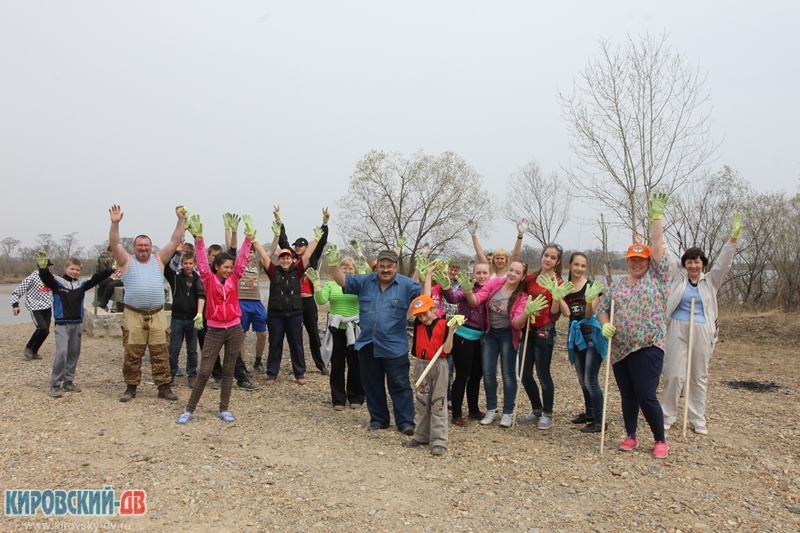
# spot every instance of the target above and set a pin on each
(165, 392)
(130, 393)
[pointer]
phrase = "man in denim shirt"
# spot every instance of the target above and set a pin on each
(383, 298)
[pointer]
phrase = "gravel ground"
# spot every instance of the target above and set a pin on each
(292, 463)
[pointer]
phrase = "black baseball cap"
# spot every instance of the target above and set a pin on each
(300, 242)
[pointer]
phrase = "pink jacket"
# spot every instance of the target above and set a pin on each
(484, 296)
(222, 299)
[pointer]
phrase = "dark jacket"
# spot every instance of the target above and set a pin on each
(284, 290)
(186, 291)
(68, 294)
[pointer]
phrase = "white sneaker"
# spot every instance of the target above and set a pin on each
(667, 427)
(491, 416)
(506, 421)
(545, 422)
(528, 419)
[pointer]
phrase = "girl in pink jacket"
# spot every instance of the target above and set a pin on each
(221, 282)
(505, 299)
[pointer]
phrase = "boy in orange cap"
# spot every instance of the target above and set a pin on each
(431, 336)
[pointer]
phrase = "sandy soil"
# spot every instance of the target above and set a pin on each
(291, 463)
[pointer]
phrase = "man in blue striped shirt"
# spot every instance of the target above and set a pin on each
(144, 323)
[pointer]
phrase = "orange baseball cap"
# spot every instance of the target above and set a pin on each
(638, 250)
(421, 304)
(285, 251)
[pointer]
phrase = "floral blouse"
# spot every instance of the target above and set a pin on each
(640, 311)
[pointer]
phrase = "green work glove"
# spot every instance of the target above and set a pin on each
(235, 219)
(41, 258)
(534, 307)
(456, 320)
(276, 228)
(317, 233)
(472, 227)
(195, 226)
(562, 290)
(114, 266)
(737, 226)
(332, 255)
(546, 282)
(355, 246)
(198, 320)
(609, 330)
(276, 212)
(226, 220)
(361, 265)
(313, 277)
(422, 265)
(441, 278)
(593, 291)
(249, 230)
(465, 281)
(326, 216)
(657, 206)
(401, 242)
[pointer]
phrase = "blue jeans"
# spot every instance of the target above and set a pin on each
(380, 373)
(497, 342)
(180, 328)
(587, 365)
(540, 352)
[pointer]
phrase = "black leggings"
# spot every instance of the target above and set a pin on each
(466, 356)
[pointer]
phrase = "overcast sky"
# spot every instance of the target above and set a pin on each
(236, 106)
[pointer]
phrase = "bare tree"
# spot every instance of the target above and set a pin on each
(44, 241)
(544, 201)
(639, 124)
(424, 198)
(8, 245)
(68, 246)
(701, 214)
(752, 280)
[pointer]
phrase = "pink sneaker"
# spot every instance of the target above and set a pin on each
(661, 450)
(628, 444)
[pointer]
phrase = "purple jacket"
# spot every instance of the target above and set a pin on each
(476, 316)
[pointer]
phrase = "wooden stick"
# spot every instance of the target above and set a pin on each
(430, 365)
(605, 390)
(519, 381)
(688, 371)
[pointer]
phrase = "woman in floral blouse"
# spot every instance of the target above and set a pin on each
(639, 331)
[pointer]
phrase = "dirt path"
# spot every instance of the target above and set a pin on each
(291, 463)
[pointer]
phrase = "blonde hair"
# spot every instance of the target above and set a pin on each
(347, 261)
(500, 252)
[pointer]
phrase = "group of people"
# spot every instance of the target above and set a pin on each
(464, 324)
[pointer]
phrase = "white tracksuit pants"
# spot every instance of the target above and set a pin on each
(674, 373)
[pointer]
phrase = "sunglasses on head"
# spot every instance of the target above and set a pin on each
(556, 246)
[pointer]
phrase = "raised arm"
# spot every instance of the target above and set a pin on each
(472, 226)
(164, 254)
(319, 234)
(332, 257)
(120, 255)
(522, 227)
(657, 206)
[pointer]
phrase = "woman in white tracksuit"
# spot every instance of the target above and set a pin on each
(687, 283)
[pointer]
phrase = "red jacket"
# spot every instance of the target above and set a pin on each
(428, 339)
(222, 299)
